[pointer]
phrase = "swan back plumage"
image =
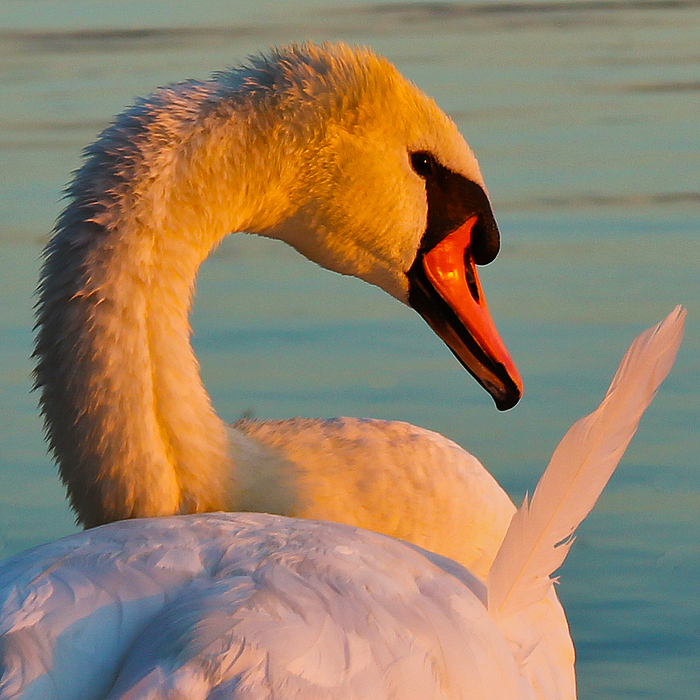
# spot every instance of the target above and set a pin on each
(246, 606)
(388, 476)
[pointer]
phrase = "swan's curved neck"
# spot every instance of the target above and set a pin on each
(127, 416)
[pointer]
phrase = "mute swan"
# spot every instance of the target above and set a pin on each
(331, 150)
(249, 606)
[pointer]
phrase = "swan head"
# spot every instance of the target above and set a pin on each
(386, 189)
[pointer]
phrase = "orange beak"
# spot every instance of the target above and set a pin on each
(446, 291)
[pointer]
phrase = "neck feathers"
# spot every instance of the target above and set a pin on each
(255, 149)
(126, 414)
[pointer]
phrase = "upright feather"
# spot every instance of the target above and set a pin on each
(541, 531)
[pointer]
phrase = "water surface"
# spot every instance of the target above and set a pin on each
(585, 119)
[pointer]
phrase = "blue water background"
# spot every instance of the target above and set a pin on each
(586, 119)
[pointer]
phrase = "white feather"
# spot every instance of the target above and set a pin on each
(540, 533)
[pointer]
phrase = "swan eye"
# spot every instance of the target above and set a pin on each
(422, 163)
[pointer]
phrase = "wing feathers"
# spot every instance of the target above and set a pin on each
(541, 531)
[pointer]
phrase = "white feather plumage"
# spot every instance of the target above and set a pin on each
(541, 531)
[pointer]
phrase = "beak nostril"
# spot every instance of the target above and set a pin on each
(471, 275)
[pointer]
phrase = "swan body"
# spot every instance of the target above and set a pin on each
(250, 606)
(258, 606)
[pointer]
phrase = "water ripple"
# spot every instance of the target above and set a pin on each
(677, 86)
(450, 10)
(576, 200)
(154, 38)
